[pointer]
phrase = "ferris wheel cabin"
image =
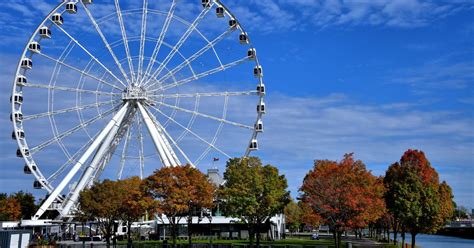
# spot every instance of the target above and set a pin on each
(21, 80)
(243, 38)
(87, 1)
(259, 126)
(220, 12)
(20, 152)
(17, 98)
(26, 169)
(19, 133)
(45, 32)
(17, 116)
(57, 19)
(252, 53)
(233, 23)
(257, 71)
(206, 3)
(34, 47)
(261, 89)
(253, 145)
(261, 107)
(37, 185)
(71, 8)
(26, 63)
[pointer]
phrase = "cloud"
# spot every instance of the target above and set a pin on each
(440, 74)
(277, 15)
(301, 129)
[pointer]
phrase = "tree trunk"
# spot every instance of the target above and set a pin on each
(395, 232)
(129, 233)
(173, 230)
(190, 221)
(251, 235)
(413, 236)
(403, 237)
(258, 235)
(335, 239)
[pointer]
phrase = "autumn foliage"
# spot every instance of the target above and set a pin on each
(415, 197)
(10, 208)
(344, 194)
(178, 190)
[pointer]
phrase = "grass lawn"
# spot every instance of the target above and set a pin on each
(284, 242)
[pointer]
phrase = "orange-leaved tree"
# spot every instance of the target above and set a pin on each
(344, 193)
(10, 208)
(177, 191)
(102, 202)
(134, 202)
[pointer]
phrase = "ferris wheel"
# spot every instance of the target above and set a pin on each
(119, 88)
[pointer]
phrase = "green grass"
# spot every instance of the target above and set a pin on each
(284, 242)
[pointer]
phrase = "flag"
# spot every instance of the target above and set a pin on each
(216, 159)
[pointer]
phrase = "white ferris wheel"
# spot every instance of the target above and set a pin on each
(118, 88)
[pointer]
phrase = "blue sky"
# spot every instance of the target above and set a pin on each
(370, 77)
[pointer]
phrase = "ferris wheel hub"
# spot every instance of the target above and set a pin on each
(135, 92)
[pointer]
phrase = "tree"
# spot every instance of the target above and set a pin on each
(415, 197)
(10, 208)
(343, 193)
(309, 218)
(27, 203)
(134, 202)
(103, 201)
(177, 191)
(293, 216)
(253, 193)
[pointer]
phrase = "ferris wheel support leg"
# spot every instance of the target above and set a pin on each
(158, 139)
(94, 166)
(100, 138)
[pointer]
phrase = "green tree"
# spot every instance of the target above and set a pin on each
(415, 197)
(177, 191)
(293, 216)
(253, 192)
(27, 203)
(103, 202)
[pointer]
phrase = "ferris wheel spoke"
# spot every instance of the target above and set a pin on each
(125, 40)
(207, 94)
(71, 131)
(90, 54)
(181, 41)
(141, 155)
(218, 131)
(50, 87)
(177, 147)
(82, 72)
(142, 38)
(200, 75)
(191, 132)
(159, 42)
(67, 110)
(106, 43)
(123, 157)
(71, 160)
(197, 54)
(206, 116)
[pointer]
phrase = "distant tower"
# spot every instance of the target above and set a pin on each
(215, 177)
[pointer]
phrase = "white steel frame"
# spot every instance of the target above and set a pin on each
(135, 95)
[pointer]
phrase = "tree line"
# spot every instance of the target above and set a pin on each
(346, 196)
(252, 192)
(341, 194)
